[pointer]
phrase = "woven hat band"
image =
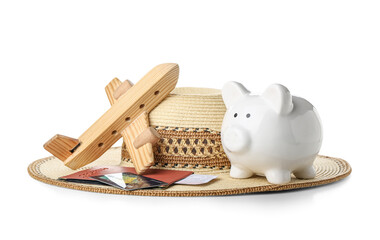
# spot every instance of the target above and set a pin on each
(187, 148)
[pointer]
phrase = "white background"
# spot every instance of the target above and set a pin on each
(56, 58)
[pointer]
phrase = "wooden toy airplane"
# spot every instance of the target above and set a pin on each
(127, 117)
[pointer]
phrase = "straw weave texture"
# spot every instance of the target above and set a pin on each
(328, 170)
(187, 148)
(190, 107)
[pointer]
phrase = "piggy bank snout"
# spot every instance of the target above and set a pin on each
(236, 139)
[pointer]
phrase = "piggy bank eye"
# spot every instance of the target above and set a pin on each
(235, 115)
(248, 115)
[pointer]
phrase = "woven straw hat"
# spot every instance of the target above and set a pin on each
(189, 121)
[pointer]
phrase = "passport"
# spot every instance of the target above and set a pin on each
(164, 175)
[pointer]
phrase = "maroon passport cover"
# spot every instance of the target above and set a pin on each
(167, 176)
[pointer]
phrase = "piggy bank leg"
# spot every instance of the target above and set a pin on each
(278, 176)
(240, 172)
(305, 173)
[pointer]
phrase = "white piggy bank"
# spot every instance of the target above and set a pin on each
(274, 134)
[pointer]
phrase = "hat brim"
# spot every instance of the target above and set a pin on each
(328, 169)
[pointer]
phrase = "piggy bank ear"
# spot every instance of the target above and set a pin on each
(279, 98)
(232, 91)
